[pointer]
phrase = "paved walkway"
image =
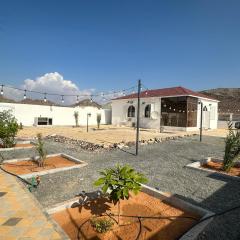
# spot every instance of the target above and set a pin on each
(21, 217)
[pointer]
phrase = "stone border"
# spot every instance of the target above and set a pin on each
(19, 148)
(171, 199)
(34, 174)
(198, 166)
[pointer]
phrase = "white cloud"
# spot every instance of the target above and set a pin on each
(50, 83)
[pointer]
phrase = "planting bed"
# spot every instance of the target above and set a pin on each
(28, 167)
(17, 146)
(177, 217)
(215, 166)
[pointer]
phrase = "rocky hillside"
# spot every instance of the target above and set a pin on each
(229, 98)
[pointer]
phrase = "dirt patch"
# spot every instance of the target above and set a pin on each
(75, 221)
(217, 166)
(21, 145)
(25, 167)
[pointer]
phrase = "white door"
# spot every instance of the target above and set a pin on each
(206, 120)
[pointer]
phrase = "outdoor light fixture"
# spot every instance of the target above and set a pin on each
(25, 94)
(45, 97)
(91, 100)
(62, 98)
(2, 90)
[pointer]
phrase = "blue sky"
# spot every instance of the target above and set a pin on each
(110, 44)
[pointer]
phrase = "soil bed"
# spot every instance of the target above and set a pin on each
(30, 166)
(75, 221)
(217, 166)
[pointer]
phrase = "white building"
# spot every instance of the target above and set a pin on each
(36, 112)
(174, 108)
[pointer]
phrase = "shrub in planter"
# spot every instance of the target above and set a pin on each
(41, 151)
(102, 225)
(99, 117)
(232, 148)
(119, 182)
(8, 128)
(76, 117)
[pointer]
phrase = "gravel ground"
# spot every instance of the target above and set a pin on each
(164, 164)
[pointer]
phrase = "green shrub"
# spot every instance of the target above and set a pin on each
(41, 151)
(119, 182)
(76, 117)
(232, 148)
(99, 117)
(8, 128)
(102, 225)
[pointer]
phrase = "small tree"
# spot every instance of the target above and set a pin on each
(8, 128)
(119, 182)
(232, 148)
(99, 117)
(41, 151)
(76, 116)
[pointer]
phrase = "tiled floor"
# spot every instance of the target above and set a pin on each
(21, 218)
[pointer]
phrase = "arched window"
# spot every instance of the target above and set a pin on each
(147, 113)
(131, 111)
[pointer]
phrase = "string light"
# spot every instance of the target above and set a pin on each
(2, 90)
(62, 98)
(91, 100)
(45, 97)
(77, 100)
(25, 94)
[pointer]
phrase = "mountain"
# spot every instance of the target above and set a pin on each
(229, 99)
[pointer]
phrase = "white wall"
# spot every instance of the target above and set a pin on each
(62, 116)
(120, 109)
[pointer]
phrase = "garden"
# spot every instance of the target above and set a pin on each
(116, 204)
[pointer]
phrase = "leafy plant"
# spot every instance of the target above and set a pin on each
(76, 116)
(232, 148)
(41, 151)
(119, 182)
(8, 128)
(102, 225)
(99, 117)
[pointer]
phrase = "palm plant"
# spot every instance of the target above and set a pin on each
(99, 117)
(76, 116)
(41, 151)
(232, 148)
(119, 182)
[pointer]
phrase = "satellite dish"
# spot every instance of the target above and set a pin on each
(154, 115)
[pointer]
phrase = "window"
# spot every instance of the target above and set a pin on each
(131, 111)
(147, 113)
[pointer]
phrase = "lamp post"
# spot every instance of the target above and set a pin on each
(201, 120)
(138, 115)
(88, 115)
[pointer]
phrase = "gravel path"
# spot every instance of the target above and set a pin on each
(164, 165)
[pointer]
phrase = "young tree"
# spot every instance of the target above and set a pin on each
(8, 128)
(119, 182)
(99, 117)
(76, 116)
(232, 148)
(41, 151)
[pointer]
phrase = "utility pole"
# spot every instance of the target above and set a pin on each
(138, 115)
(88, 115)
(201, 121)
